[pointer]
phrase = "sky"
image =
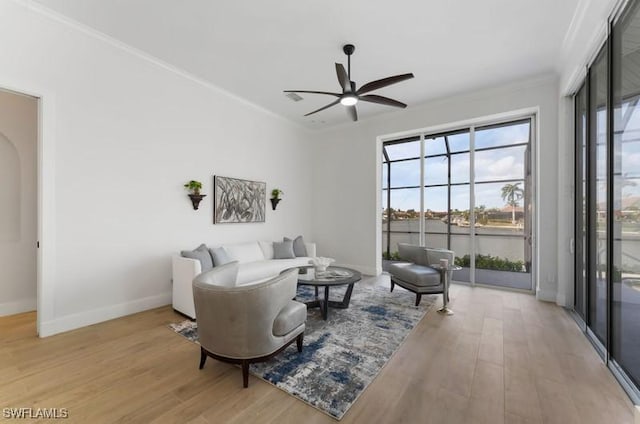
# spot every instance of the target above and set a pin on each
(490, 165)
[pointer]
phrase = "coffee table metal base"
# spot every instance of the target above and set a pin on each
(324, 303)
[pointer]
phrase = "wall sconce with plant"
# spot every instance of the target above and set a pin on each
(194, 187)
(275, 197)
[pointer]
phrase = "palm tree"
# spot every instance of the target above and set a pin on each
(512, 194)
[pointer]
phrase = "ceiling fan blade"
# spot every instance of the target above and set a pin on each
(353, 113)
(373, 98)
(343, 78)
(323, 107)
(384, 82)
(313, 92)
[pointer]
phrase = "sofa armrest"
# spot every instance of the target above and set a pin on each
(184, 271)
(311, 249)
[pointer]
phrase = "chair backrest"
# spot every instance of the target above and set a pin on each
(237, 322)
(435, 254)
(412, 253)
(425, 256)
(222, 275)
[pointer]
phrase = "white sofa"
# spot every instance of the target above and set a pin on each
(256, 261)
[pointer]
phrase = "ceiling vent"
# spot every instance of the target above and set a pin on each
(293, 96)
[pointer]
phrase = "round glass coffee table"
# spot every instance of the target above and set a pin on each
(332, 277)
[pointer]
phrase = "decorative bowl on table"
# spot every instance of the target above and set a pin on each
(320, 264)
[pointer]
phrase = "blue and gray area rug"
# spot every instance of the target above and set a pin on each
(342, 355)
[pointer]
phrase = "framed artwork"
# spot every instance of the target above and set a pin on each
(236, 200)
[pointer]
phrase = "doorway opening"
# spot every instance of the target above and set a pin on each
(469, 189)
(19, 138)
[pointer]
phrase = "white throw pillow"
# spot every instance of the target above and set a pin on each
(267, 249)
(244, 252)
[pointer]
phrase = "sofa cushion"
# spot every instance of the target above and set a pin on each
(219, 256)
(290, 317)
(283, 250)
(299, 249)
(200, 253)
(418, 275)
(258, 271)
(267, 249)
(244, 252)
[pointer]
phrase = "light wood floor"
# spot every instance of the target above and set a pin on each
(502, 358)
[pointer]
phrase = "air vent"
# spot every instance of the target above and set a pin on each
(294, 97)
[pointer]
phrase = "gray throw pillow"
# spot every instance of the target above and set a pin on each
(299, 249)
(283, 250)
(200, 253)
(219, 256)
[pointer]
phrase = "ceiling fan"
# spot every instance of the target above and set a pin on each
(350, 95)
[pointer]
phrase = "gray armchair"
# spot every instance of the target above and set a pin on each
(416, 274)
(248, 323)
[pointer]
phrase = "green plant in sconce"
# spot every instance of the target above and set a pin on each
(276, 192)
(194, 187)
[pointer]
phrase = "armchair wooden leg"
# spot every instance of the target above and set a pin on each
(203, 357)
(418, 298)
(299, 340)
(245, 373)
(392, 285)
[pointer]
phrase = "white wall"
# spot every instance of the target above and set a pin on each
(124, 133)
(345, 174)
(18, 140)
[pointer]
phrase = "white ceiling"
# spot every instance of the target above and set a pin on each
(256, 49)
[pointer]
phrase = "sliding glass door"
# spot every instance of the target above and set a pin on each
(581, 248)
(607, 202)
(599, 190)
(625, 277)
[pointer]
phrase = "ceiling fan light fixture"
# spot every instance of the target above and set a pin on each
(350, 96)
(349, 100)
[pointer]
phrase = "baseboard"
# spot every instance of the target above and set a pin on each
(547, 296)
(17, 307)
(364, 270)
(82, 319)
(561, 300)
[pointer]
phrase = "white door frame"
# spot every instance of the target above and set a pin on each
(45, 257)
(534, 113)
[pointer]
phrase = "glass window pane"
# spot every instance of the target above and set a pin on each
(405, 174)
(434, 146)
(436, 170)
(626, 194)
(435, 240)
(459, 142)
(502, 135)
(500, 164)
(461, 246)
(436, 202)
(406, 150)
(598, 199)
(384, 176)
(500, 208)
(404, 213)
(403, 200)
(460, 168)
(580, 205)
(460, 209)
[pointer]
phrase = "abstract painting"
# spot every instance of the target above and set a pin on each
(238, 200)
